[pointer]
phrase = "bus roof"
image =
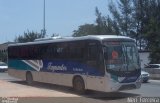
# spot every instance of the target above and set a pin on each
(65, 39)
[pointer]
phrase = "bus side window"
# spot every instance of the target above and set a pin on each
(92, 54)
(100, 60)
(95, 57)
(76, 51)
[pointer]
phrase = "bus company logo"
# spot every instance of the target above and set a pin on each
(56, 68)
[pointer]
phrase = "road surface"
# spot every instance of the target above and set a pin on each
(48, 93)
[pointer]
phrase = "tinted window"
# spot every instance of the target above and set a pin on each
(77, 50)
(91, 55)
(64, 50)
(92, 51)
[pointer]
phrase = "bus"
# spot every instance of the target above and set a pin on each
(107, 63)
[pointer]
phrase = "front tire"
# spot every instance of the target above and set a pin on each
(78, 85)
(29, 78)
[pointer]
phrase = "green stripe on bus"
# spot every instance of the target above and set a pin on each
(19, 65)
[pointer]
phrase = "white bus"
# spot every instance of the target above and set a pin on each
(103, 63)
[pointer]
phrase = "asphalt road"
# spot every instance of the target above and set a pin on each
(58, 94)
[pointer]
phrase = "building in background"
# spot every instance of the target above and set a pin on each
(3, 51)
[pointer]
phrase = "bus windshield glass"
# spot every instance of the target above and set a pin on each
(121, 56)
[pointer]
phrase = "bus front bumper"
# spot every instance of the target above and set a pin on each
(116, 86)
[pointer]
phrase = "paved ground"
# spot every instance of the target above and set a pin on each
(48, 93)
(20, 89)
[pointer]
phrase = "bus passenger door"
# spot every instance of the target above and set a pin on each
(94, 61)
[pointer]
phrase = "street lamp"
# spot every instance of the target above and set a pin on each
(43, 31)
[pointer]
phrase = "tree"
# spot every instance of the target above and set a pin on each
(100, 22)
(152, 30)
(139, 19)
(3, 56)
(122, 17)
(104, 26)
(131, 17)
(28, 37)
(147, 22)
(86, 29)
(140, 15)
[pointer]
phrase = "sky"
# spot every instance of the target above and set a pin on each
(62, 16)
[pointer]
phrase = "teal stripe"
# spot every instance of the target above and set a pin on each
(19, 65)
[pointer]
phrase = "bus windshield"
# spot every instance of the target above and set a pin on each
(121, 56)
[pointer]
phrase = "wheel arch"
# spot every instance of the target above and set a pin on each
(76, 76)
(29, 72)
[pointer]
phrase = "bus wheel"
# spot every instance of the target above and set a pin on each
(29, 78)
(78, 85)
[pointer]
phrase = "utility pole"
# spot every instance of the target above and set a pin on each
(44, 18)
